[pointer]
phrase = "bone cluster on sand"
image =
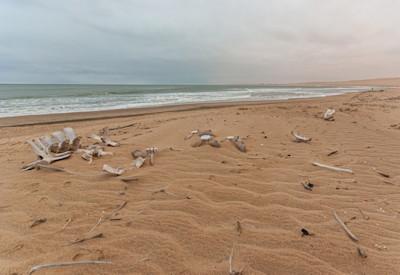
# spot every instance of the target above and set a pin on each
(63, 144)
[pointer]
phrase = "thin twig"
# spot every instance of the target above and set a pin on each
(69, 220)
(122, 127)
(345, 228)
(98, 222)
(93, 236)
(65, 264)
(332, 153)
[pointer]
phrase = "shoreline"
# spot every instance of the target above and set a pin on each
(56, 118)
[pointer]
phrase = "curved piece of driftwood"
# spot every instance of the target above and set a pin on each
(345, 228)
(328, 115)
(113, 171)
(300, 138)
(64, 264)
(333, 168)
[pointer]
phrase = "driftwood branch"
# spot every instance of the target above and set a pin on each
(64, 264)
(345, 228)
(332, 167)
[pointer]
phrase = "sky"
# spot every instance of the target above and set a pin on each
(197, 41)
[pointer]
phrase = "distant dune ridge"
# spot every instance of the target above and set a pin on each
(188, 212)
(392, 81)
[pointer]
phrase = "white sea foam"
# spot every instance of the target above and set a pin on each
(16, 100)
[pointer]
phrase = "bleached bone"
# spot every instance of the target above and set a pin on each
(93, 151)
(208, 132)
(214, 143)
(150, 153)
(44, 156)
(96, 138)
(300, 138)
(138, 162)
(345, 228)
(194, 132)
(105, 140)
(50, 143)
(206, 137)
(238, 142)
(333, 168)
(139, 153)
(64, 264)
(74, 140)
(62, 140)
(329, 114)
(113, 171)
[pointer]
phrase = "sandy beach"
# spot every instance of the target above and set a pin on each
(195, 205)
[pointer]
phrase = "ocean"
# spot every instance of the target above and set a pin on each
(17, 99)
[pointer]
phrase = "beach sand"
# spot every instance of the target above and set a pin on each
(186, 213)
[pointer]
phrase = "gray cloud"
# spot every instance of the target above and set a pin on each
(187, 41)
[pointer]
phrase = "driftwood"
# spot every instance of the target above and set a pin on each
(328, 115)
(238, 143)
(109, 216)
(64, 264)
(129, 179)
(37, 222)
(332, 153)
(68, 221)
(332, 167)
(87, 237)
(345, 228)
(300, 138)
(113, 171)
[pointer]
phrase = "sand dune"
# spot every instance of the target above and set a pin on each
(182, 214)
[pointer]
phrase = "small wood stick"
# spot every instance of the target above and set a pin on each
(69, 220)
(56, 265)
(98, 222)
(332, 153)
(345, 228)
(89, 237)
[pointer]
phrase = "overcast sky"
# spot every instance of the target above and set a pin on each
(189, 41)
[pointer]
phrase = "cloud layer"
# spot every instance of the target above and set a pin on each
(188, 41)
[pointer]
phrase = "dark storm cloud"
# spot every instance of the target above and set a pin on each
(209, 41)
